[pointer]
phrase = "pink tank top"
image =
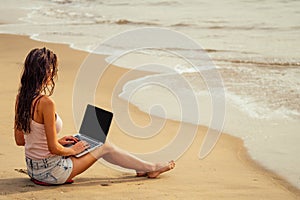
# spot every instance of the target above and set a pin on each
(36, 146)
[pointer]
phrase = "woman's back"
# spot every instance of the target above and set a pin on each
(36, 146)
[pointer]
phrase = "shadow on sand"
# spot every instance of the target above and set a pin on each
(22, 185)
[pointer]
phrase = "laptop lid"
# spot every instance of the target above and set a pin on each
(96, 123)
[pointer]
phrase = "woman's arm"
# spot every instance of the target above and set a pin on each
(48, 113)
(19, 137)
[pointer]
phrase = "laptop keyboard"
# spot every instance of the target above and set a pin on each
(91, 143)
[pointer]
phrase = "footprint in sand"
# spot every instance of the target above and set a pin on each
(22, 171)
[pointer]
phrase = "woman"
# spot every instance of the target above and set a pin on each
(37, 125)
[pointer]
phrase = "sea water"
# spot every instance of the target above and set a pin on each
(254, 45)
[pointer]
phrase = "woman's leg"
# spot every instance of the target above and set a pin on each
(81, 164)
(121, 158)
(124, 159)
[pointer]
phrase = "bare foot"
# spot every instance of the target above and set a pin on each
(161, 169)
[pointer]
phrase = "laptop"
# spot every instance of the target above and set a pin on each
(94, 128)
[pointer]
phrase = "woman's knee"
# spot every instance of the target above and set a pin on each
(108, 147)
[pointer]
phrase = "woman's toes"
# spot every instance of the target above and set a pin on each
(170, 165)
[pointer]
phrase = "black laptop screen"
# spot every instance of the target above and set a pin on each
(96, 123)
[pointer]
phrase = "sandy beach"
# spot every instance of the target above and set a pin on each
(227, 173)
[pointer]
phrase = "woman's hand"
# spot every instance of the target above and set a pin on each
(80, 147)
(77, 146)
(67, 140)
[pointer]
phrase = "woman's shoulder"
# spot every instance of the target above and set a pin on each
(42, 105)
(46, 101)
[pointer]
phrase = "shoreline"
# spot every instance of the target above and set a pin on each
(62, 95)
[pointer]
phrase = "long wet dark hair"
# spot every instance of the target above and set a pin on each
(40, 69)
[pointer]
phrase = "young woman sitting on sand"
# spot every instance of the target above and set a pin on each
(37, 125)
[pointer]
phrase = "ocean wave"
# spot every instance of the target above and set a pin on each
(164, 3)
(183, 24)
(251, 27)
(62, 1)
(125, 21)
(117, 4)
(221, 25)
(264, 63)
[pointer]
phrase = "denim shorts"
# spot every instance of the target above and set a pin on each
(53, 170)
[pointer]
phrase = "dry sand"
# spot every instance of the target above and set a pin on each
(227, 173)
